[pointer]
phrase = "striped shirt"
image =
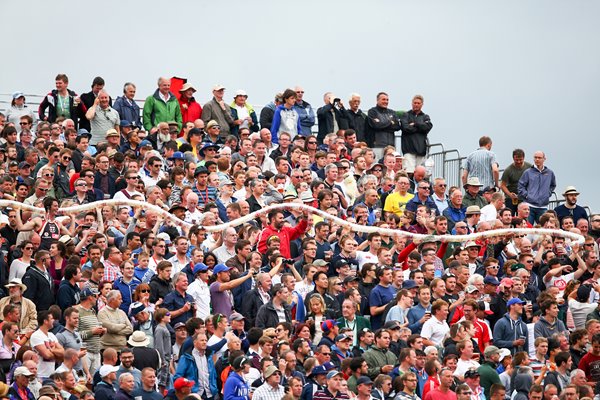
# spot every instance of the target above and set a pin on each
(479, 163)
(267, 392)
(88, 321)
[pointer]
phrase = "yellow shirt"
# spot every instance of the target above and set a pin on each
(396, 203)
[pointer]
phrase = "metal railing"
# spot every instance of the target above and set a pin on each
(447, 164)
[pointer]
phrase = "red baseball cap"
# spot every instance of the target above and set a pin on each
(180, 383)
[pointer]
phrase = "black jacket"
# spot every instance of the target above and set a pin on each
(380, 126)
(414, 137)
(159, 289)
(253, 203)
(267, 316)
(145, 357)
(356, 121)
(50, 102)
(104, 391)
(250, 305)
(40, 290)
(325, 117)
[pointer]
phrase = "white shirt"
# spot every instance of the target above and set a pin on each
(488, 213)
(435, 330)
(364, 257)
(193, 217)
(214, 340)
(223, 254)
(463, 366)
(200, 291)
(45, 368)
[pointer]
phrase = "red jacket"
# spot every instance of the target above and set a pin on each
(193, 111)
(285, 235)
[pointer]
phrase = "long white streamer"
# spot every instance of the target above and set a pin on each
(298, 206)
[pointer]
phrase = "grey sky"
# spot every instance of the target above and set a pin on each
(523, 72)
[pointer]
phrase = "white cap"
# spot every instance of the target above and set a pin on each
(240, 93)
(105, 370)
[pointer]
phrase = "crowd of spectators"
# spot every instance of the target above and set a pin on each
(119, 302)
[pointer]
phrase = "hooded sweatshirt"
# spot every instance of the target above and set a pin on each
(521, 385)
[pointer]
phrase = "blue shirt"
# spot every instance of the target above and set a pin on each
(414, 315)
(380, 296)
(175, 301)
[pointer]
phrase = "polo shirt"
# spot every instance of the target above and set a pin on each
(435, 330)
(380, 296)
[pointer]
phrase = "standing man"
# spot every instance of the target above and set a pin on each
(510, 179)
(162, 106)
(380, 296)
(536, 186)
(38, 282)
(117, 323)
(435, 329)
(89, 98)
(305, 112)
(381, 123)
(482, 164)
(90, 329)
(217, 110)
(46, 345)
(331, 116)
(415, 127)
(181, 304)
(356, 117)
(126, 106)
(102, 117)
(61, 102)
(220, 290)
(510, 331)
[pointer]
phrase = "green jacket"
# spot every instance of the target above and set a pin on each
(488, 376)
(156, 110)
(361, 323)
(377, 358)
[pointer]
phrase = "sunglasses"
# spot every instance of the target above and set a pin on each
(67, 158)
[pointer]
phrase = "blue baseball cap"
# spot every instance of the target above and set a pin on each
(318, 370)
(177, 156)
(220, 268)
(200, 267)
(146, 143)
(84, 132)
(514, 300)
(409, 284)
(491, 280)
(125, 122)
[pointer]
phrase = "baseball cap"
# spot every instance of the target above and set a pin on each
(179, 325)
(220, 268)
(491, 280)
(240, 93)
(236, 317)
(87, 292)
(409, 284)
(333, 374)
(145, 143)
(514, 300)
(22, 371)
(342, 337)
(201, 170)
(328, 325)
(471, 289)
(471, 373)
(181, 383)
(349, 279)
(218, 87)
(506, 282)
(320, 263)
(137, 308)
(341, 263)
(318, 370)
(107, 369)
(504, 353)
(200, 267)
(364, 380)
(16, 95)
(177, 156)
(391, 325)
(24, 164)
(490, 350)
(517, 267)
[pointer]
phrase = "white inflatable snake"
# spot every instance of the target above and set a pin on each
(298, 206)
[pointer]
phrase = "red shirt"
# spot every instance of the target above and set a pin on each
(436, 394)
(590, 364)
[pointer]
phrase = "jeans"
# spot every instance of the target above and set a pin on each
(535, 213)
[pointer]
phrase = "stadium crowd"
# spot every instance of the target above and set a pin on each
(122, 303)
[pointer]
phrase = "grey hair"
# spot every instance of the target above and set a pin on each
(112, 294)
(363, 180)
(128, 84)
(475, 278)
(329, 167)
(125, 375)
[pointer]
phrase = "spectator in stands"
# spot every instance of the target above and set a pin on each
(162, 106)
(415, 127)
(117, 324)
(381, 123)
(510, 178)
(536, 186)
(570, 206)
(126, 106)
(61, 102)
(482, 164)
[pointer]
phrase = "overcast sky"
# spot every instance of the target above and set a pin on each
(525, 73)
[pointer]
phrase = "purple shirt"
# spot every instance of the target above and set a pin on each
(221, 301)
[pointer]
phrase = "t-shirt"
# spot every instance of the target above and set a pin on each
(45, 368)
(436, 394)
(435, 330)
(590, 364)
(511, 176)
(214, 340)
(380, 296)
(396, 203)
(222, 302)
